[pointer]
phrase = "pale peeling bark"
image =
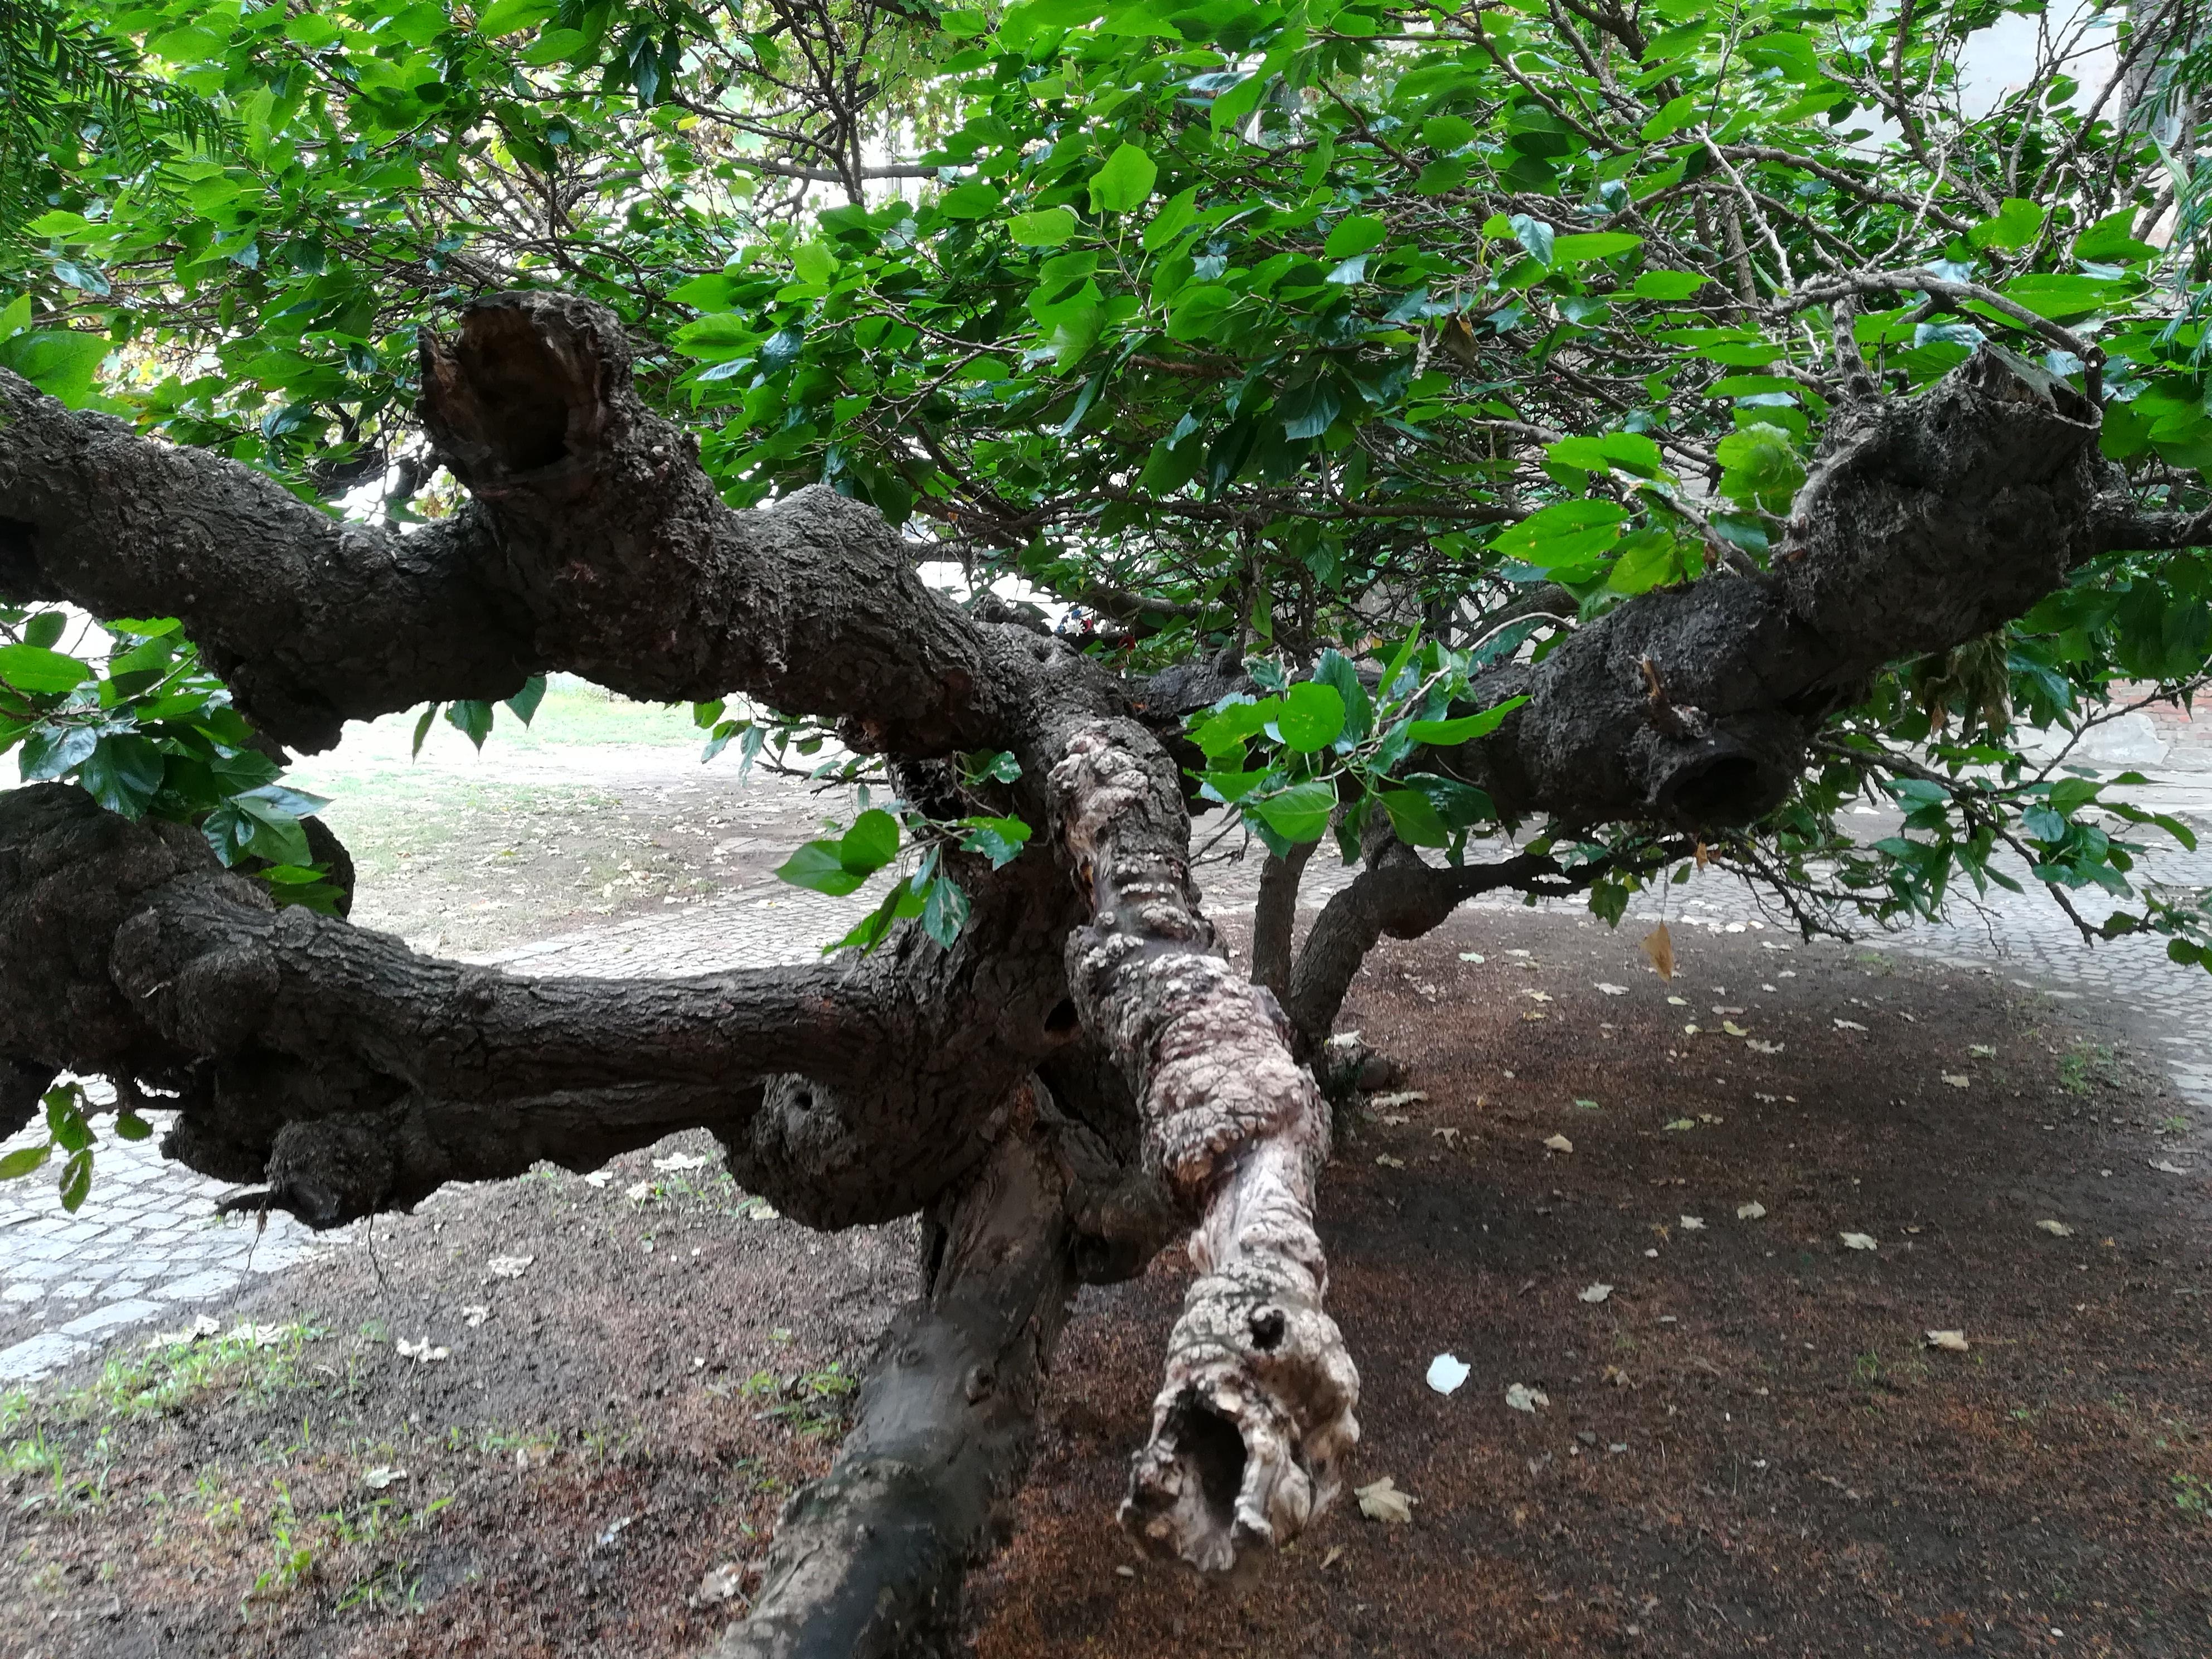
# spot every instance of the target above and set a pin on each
(1253, 1418)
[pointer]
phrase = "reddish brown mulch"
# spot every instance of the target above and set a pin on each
(1800, 1475)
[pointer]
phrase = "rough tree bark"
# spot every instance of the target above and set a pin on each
(348, 1074)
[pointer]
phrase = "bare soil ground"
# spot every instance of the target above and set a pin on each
(1745, 1447)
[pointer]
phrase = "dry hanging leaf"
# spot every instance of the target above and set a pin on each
(1659, 946)
(1950, 1341)
(1382, 1501)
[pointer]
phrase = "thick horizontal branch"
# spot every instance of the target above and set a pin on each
(1925, 522)
(593, 543)
(351, 1073)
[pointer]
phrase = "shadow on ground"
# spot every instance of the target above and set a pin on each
(1746, 1445)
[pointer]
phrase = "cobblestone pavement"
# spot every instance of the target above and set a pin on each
(148, 1248)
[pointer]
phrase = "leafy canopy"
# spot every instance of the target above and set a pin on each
(1292, 331)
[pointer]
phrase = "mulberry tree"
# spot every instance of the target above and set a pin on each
(1519, 448)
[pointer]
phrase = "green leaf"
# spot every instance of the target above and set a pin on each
(944, 911)
(1667, 284)
(999, 840)
(2015, 224)
(1592, 245)
(76, 1180)
(471, 717)
(506, 16)
(128, 1126)
(2112, 241)
(1355, 233)
(1333, 668)
(1124, 181)
(1442, 734)
(818, 866)
(871, 844)
(1414, 818)
(123, 774)
(422, 729)
(524, 703)
(976, 199)
(63, 363)
(50, 753)
(1169, 223)
(25, 1159)
(1299, 813)
(1312, 717)
(33, 668)
(1047, 228)
(44, 629)
(1760, 467)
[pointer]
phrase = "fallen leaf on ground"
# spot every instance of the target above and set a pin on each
(1393, 1119)
(1538, 996)
(1449, 1136)
(1956, 1079)
(1682, 1123)
(1559, 1144)
(510, 1266)
(1447, 1371)
(1759, 1046)
(1382, 1501)
(1753, 1210)
(1659, 946)
(1596, 1292)
(1335, 1553)
(1733, 1029)
(2167, 1166)
(1982, 1051)
(1521, 1398)
(421, 1350)
(381, 1476)
(1949, 1341)
(721, 1582)
(598, 1178)
(1403, 1097)
(475, 1316)
(1678, 1002)
(1588, 1105)
(760, 1210)
(1613, 990)
(2055, 1229)
(676, 1161)
(1693, 1224)
(1618, 1377)
(1860, 1241)
(1388, 1162)
(1475, 957)
(638, 1193)
(1848, 1026)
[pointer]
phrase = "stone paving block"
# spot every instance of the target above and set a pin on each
(113, 1316)
(35, 1356)
(199, 1287)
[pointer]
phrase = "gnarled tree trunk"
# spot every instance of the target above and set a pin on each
(1077, 1078)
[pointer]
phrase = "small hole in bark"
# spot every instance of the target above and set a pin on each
(1062, 1021)
(1268, 1326)
(1215, 1451)
(802, 1100)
